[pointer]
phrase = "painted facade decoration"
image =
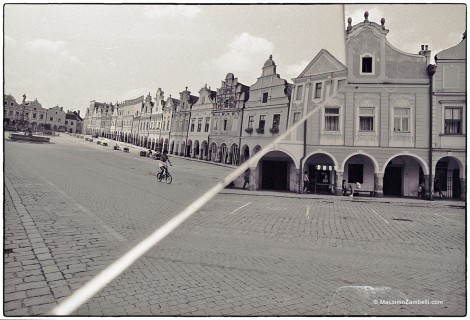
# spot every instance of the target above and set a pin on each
(200, 124)
(227, 119)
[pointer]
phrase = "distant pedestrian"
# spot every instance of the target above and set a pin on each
(306, 182)
(421, 190)
(437, 187)
(246, 177)
(345, 188)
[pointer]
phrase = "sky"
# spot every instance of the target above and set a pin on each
(71, 54)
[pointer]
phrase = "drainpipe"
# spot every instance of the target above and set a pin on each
(240, 139)
(307, 87)
(431, 71)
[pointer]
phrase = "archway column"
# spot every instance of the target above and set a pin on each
(463, 188)
(339, 183)
(379, 185)
(429, 193)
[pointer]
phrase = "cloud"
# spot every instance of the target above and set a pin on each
(244, 53)
(55, 49)
(171, 11)
(294, 70)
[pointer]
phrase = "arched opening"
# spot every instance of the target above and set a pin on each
(256, 149)
(321, 171)
(448, 171)
(360, 168)
(245, 155)
(276, 172)
(234, 154)
(402, 176)
(213, 152)
(204, 152)
(172, 146)
(223, 153)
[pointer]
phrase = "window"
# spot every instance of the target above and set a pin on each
(11, 104)
(58, 120)
(71, 123)
(225, 125)
(226, 103)
(35, 115)
(318, 90)
(66, 122)
(192, 125)
(401, 120)
(203, 99)
(262, 120)
(50, 119)
(265, 97)
(331, 119)
(453, 120)
(199, 125)
(366, 119)
(276, 120)
(41, 116)
(11, 112)
(296, 117)
(355, 173)
(299, 93)
(366, 66)
(206, 128)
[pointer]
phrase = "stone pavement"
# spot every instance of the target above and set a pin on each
(244, 253)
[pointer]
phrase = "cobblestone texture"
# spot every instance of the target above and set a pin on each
(74, 207)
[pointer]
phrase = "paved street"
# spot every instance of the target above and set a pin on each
(72, 207)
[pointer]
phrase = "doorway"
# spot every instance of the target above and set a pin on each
(393, 181)
(274, 175)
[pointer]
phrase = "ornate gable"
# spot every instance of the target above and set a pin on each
(322, 63)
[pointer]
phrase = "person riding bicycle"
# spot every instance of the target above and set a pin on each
(163, 160)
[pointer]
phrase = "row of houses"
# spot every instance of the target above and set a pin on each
(386, 119)
(31, 114)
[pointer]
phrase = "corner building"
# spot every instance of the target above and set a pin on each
(372, 119)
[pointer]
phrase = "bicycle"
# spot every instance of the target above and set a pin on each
(168, 178)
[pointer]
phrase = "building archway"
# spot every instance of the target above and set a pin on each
(213, 152)
(245, 154)
(172, 146)
(275, 171)
(321, 170)
(234, 154)
(166, 145)
(360, 168)
(196, 153)
(402, 176)
(204, 150)
(189, 152)
(256, 149)
(223, 153)
(449, 171)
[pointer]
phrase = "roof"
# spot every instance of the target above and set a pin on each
(72, 116)
(457, 52)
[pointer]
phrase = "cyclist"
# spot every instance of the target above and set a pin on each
(163, 159)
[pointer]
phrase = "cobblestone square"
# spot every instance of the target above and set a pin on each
(72, 207)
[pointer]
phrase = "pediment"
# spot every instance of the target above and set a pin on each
(322, 63)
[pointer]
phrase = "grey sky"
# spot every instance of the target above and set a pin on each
(67, 55)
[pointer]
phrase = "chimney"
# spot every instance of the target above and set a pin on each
(78, 112)
(425, 52)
